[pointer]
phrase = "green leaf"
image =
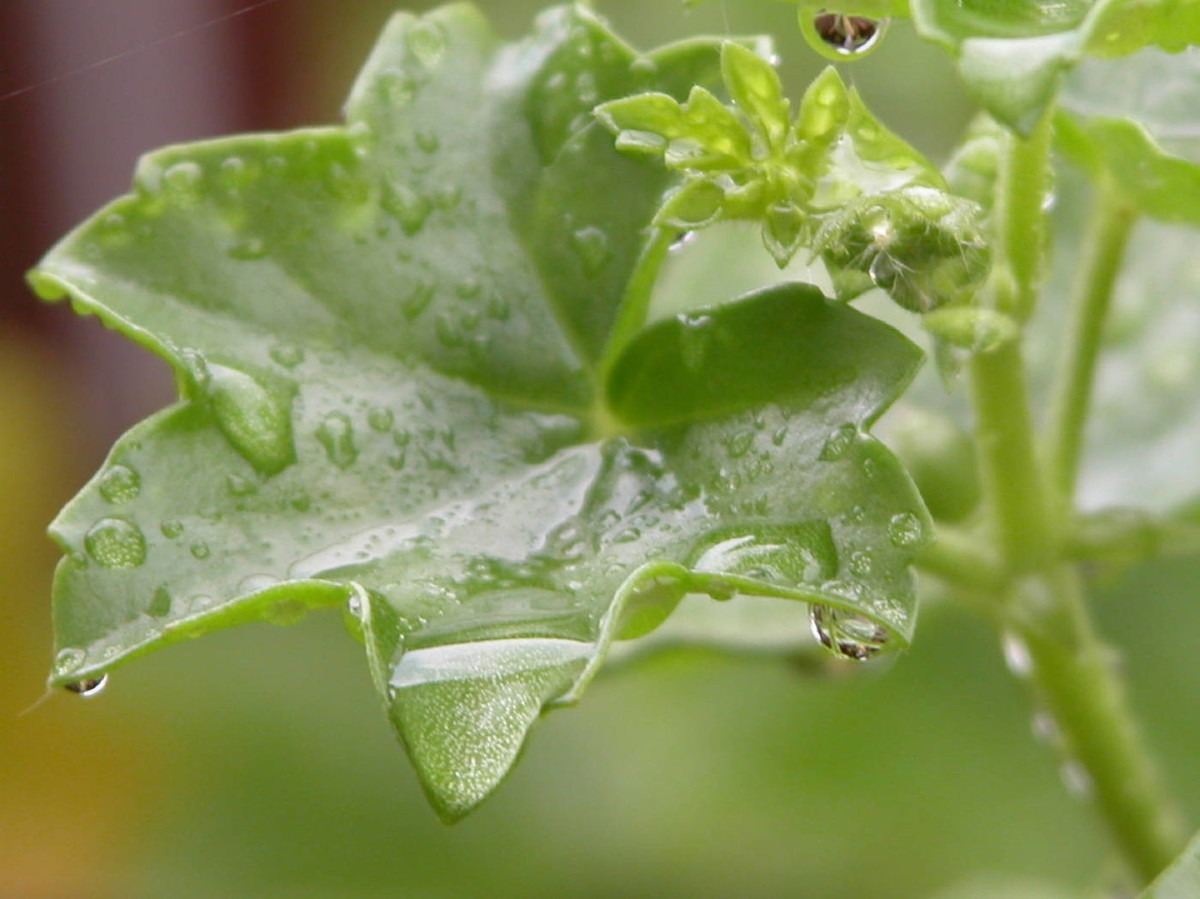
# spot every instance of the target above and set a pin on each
(1181, 880)
(1012, 54)
(391, 340)
(754, 86)
(1136, 130)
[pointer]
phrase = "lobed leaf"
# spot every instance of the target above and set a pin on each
(404, 387)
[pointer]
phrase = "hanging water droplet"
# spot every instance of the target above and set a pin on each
(88, 686)
(120, 484)
(336, 434)
(116, 543)
(847, 634)
(682, 240)
(905, 530)
(849, 37)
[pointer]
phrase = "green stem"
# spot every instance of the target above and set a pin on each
(1043, 606)
(1104, 250)
(1021, 190)
(1009, 467)
(960, 560)
(1075, 677)
(635, 304)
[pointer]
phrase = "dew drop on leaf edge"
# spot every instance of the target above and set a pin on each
(845, 37)
(88, 686)
(847, 634)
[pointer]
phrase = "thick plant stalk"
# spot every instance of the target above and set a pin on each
(1043, 608)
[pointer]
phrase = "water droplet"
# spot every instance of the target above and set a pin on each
(1045, 728)
(427, 42)
(1076, 779)
(336, 434)
(468, 287)
(905, 530)
(860, 564)
(256, 420)
(249, 249)
(239, 486)
(398, 87)
(232, 174)
(120, 484)
(1016, 656)
(428, 141)
(171, 528)
(682, 240)
(381, 419)
(68, 660)
(408, 207)
(181, 183)
(160, 603)
(847, 634)
(850, 37)
(447, 196)
(301, 503)
(498, 308)
(88, 686)
(116, 543)
(200, 550)
(739, 444)
(591, 245)
(839, 443)
(287, 355)
(418, 298)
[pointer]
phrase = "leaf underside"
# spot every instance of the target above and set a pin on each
(400, 391)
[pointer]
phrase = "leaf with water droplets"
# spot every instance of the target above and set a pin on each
(392, 341)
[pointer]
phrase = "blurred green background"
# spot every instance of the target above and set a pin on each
(256, 762)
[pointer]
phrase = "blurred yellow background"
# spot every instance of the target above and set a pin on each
(255, 762)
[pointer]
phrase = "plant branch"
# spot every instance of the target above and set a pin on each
(1104, 250)
(1021, 190)
(961, 561)
(1043, 605)
(1009, 467)
(1074, 675)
